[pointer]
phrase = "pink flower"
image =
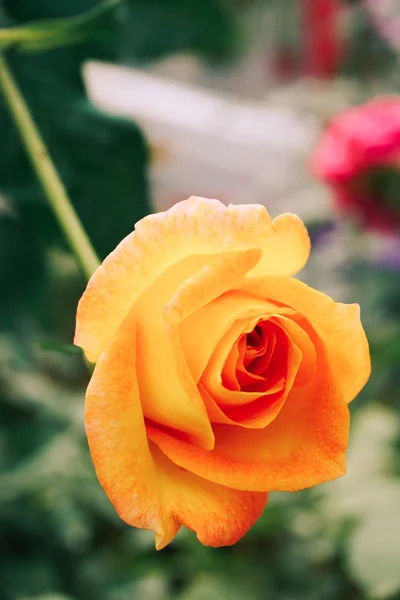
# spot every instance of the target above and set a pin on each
(358, 156)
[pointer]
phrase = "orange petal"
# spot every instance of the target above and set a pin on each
(212, 377)
(172, 397)
(117, 437)
(305, 445)
(195, 227)
(145, 487)
(303, 341)
(254, 409)
(235, 375)
(217, 318)
(287, 247)
(168, 393)
(337, 325)
(219, 515)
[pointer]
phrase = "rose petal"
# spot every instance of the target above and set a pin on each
(145, 487)
(213, 376)
(168, 399)
(168, 392)
(197, 226)
(254, 409)
(217, 318)
(219, 515)
(303, 341)
(337, 325)
(305, 445)
(236, 377)
(117, 436)
(172, 398)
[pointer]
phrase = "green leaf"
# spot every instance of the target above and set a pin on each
(22, 266)
(47, 597)
(53, 33)
(154, 28)
(53, 346)
(26, 10)
(147, 29)
(102, 160)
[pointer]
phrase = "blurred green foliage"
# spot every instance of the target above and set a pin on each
(60, 539)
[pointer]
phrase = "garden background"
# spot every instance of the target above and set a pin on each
(227, 98)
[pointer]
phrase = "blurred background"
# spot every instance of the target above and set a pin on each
(143, 103)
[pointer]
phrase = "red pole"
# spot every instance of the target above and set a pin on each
(323, 44)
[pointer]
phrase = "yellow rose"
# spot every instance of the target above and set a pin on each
(219, 377)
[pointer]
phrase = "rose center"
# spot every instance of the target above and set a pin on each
(254, 339)
(262, 356)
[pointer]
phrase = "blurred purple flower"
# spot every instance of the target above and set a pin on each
(320, 232)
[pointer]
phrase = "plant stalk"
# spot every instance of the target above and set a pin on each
(47, 173)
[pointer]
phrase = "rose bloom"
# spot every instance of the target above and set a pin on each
(358, 156)
(219, 377)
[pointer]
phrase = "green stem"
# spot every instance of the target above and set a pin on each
(47, 173)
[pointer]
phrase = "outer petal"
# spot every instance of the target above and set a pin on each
(146, 488)
(219, 515)
(172, 398)
(197, 226)
(337, 325)
(168, 392)
(117, 437)
(305, 445)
